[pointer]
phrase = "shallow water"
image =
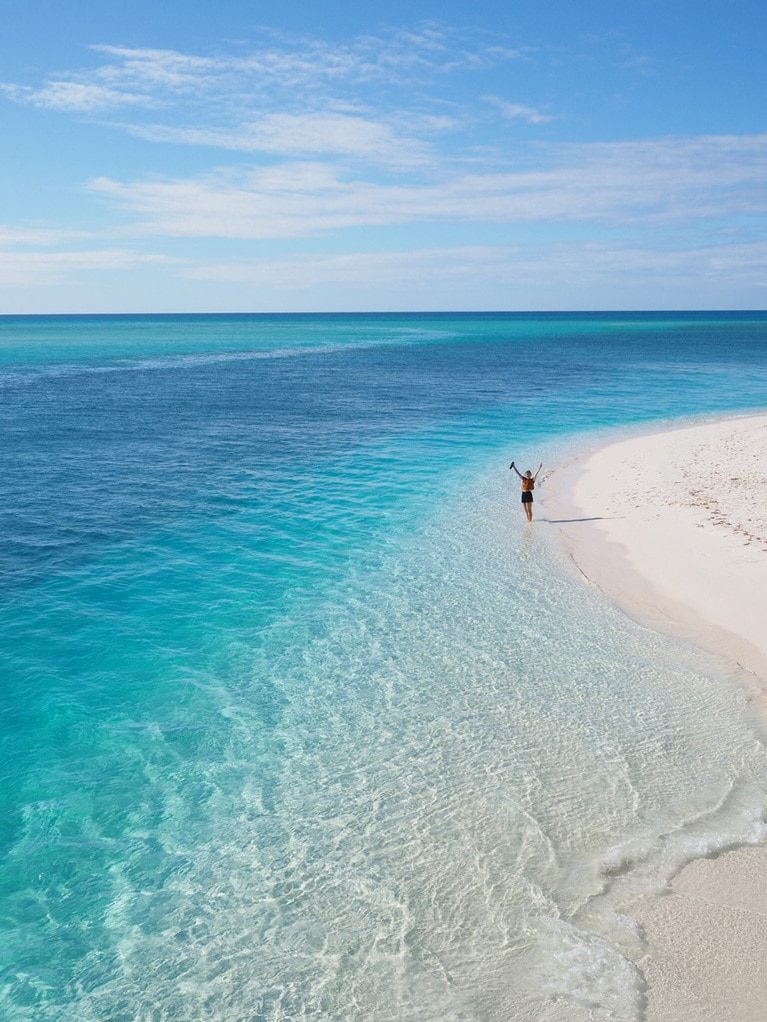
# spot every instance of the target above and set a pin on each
(299, 718)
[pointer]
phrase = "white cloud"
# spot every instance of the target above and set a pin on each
(375, 97)
(291, 200)
(302, 135)
(74, 97)
(159, 70)
(281, 65)
(639, 183)
(518, 111)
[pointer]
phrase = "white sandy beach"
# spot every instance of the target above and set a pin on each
(673, 527)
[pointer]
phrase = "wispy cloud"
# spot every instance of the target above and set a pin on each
(396, 137)
(544, 276)
(524, 264)
(641, 63)
(158, 71)
(642, 184)
(518, 111)
(74, 96)
(276, 67)
(379, 98)
(22, 269)
(304, 135)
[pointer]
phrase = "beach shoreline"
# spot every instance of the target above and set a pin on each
(672, 527)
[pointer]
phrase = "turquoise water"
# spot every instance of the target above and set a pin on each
(299, 719)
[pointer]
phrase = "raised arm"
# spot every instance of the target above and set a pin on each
(538, 470)
(512, 465)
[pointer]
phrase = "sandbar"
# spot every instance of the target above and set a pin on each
(672, 526)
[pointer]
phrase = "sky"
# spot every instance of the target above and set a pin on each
(278, 156)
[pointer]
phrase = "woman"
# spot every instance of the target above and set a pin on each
(528, 485)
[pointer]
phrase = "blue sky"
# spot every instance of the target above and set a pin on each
(343, 156)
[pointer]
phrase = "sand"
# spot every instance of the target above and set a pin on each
(673, 527)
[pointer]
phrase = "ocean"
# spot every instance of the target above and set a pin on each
(300, 719)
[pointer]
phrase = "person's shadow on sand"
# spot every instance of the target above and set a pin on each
(566, 521)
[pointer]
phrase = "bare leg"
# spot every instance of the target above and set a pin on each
(529, 511)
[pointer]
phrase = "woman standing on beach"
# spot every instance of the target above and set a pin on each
(528, 485)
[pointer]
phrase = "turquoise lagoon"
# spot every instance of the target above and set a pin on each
(299, 719)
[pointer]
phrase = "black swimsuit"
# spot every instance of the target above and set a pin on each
(527, 496)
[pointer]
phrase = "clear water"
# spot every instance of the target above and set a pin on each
(299, 720)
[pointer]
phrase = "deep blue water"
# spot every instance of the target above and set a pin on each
(282, 735)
